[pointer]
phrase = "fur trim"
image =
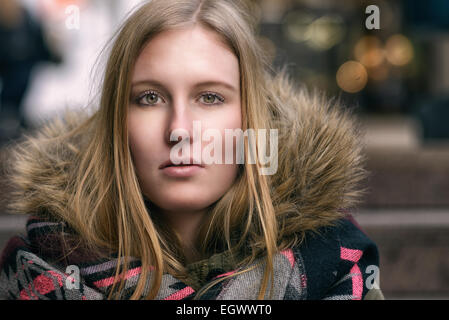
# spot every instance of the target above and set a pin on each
(39, 166)
(320, 158)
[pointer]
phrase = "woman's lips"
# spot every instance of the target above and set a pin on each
(182, 162)
(180, 171)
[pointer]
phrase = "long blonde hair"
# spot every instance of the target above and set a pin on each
(98, 194)
(107, 205)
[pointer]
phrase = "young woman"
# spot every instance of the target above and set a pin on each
(114, 215)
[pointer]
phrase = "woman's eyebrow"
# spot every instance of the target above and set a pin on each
(197, 85)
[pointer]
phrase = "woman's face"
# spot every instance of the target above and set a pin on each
(182, 76)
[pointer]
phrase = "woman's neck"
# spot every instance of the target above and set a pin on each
(186, 224)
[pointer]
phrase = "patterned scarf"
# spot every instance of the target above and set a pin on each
(335, 264)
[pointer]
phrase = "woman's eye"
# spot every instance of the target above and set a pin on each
(210, 98)
(148, 98)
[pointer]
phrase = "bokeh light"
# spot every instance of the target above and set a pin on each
(352, 76)
(318, 33)
(369, 52)
(399, 50)
(325, 32)
(295, 26)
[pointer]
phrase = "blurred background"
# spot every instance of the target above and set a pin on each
(395, 77)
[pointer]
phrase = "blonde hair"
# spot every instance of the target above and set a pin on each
(98, 193)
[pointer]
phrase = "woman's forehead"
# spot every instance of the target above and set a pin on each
(194, 53)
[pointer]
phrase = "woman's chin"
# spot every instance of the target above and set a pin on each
(184, 202)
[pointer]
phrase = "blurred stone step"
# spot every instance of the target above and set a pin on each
(403, 170)
(407, 177)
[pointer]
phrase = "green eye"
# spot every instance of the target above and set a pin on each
(148, 98)
(210, 98)
(151, 98)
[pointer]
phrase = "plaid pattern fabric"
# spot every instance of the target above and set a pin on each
(331, 264)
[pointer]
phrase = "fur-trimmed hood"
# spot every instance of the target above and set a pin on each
(319, 170)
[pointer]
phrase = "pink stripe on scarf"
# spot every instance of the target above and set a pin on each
(353, 255)
(357, 282)
(178, 295)
(109, 281)
(288, 253)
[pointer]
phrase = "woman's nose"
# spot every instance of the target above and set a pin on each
(179, 122)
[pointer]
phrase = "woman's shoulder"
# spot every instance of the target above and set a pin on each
(24, 275)
(339, 261)
(342, 233)
(43, 265)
